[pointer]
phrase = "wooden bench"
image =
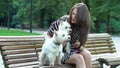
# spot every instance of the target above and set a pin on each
(20, 51)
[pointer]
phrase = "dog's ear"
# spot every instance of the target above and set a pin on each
(60, 25)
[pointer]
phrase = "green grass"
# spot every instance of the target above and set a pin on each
(5, 32)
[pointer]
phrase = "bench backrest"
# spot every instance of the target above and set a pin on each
(21, 50)
(100, 43)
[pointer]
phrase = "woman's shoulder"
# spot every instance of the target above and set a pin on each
(67, 16)
(63, 18)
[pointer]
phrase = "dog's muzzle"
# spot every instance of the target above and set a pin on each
(69, 38)
(70, 31)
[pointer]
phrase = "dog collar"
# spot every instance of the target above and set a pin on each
(56, 43)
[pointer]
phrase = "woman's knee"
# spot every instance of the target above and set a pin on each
(75, 58)
(78, 58)
(86, 52)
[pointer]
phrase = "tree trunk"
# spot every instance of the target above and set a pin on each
(107, 25)
(31, 17)
(96, 26)
(8, 23)
(42, 13)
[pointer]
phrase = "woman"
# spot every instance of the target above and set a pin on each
(79, 21)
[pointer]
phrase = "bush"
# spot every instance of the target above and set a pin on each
(115, 24)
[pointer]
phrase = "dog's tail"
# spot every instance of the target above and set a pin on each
(103, 63)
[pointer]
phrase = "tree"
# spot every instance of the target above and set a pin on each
(3, 12)
(44, 11)
(104, 10)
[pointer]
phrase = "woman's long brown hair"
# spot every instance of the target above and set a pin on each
(83, 20)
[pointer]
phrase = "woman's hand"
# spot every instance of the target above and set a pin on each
(81, 47)
(76, 44)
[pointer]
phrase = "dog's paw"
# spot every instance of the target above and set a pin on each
(40, 64)
(59, 63)
(67, 51)
(67, 48)
(51, 64)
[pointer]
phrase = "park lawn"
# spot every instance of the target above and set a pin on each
(6, 32)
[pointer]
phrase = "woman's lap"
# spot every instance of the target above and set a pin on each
(68, 55)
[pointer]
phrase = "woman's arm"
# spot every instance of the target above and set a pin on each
(48, 34)
(55, 24)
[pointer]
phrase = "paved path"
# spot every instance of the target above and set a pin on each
(116, 40)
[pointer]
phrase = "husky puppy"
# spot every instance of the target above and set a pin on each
(52, 48)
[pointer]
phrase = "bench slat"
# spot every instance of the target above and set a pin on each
(98, 49)
(21, 51)
(94, 39)
(28, 65)
(99, 42)
(20, 56)
(103, 52)
(100, 45)
(21, 61)
(21, 47)
(20, 43)
(36, 66)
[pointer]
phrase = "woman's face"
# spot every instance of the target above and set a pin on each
(74, 12)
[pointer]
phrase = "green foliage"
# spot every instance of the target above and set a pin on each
(104, 10)
(46, 11)
(3, 8)
(115, 24)
(53, 9)
(23, 8)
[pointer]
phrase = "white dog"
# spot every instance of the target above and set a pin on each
(65, 26)
(52, 48)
